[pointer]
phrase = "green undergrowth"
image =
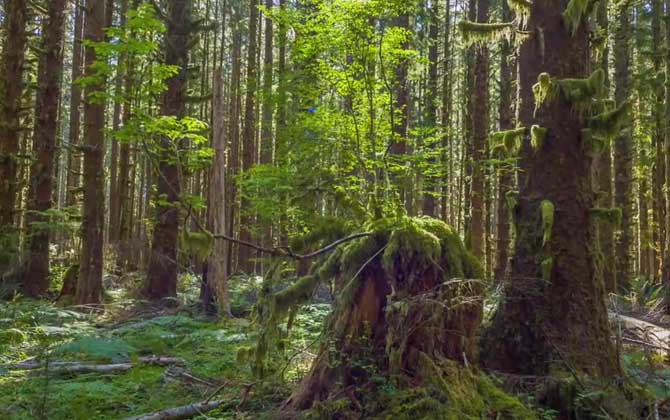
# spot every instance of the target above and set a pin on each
(44, 332)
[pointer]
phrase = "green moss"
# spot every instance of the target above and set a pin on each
(545, 90)
(611, 216)
(585, 93)
(508, 142)
(452, 392)
(481, 33)
(547, 209)
(537, 136)
(576, 11)
(609, 123)
(521, 9)
(198, 244)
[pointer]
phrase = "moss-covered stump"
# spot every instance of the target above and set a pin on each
(407, 311)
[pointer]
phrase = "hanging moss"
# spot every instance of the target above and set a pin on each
(537, 136)
(576, 11)
(547, 209)
(198, 244)
(544, 90)
(584, 93)
(608, 124)
(482, 33)
(612, 216)
(508, 141)
(521, 9)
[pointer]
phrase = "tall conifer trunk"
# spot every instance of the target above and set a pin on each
(11, 85)
(553, 315)
(89, 286)
(163, 267)
(44, 144)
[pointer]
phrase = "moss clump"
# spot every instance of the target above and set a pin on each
(611, 216)
(609, 123)
(545, 90)
(451, 393)
(508, 141)
(547, 266)
(548, 210)
(576, 11)
(537, 136)
(482, 33)
(198, 244)
(584, 94)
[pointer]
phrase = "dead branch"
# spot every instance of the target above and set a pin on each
(184, 412)
(80, 367)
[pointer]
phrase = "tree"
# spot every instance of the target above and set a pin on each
(163, 267)
(553, 315)
(623, 150)
(11, 85)
(89, 285)
(44, 144)
(74, 160)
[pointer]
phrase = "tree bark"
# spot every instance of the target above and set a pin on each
(217, 265)
(431, 97)
(553, 314)
(44, 144)
(506, 172)
(623, 151)
(74, 155)
(11, 84)
(480, 135)
(163, 267)
(89, 286)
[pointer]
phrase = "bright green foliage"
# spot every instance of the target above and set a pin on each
(482, 33)
(547, 210)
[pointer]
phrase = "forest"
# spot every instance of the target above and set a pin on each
(335, 209)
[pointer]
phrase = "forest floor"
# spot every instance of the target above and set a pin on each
(38, 339)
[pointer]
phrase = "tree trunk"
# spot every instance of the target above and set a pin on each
(480, 134)
(666, 252)
(553, 315)
(11, 85)
(163, 267)
(249, 152)
(506, 172)
(89, 286)
(74, 155)
(401, 113)
(44, 144)
(623, 151)
(431, 95)
(116, 158)
(217, 265)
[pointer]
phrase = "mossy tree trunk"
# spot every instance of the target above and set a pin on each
(553, 314)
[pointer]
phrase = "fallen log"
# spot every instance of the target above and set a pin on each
(81, 367)
(184, 412)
